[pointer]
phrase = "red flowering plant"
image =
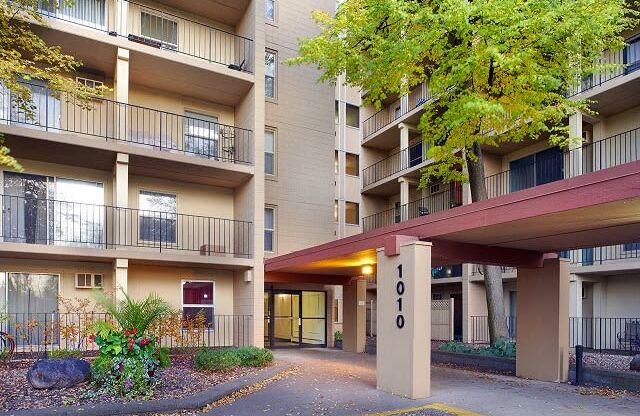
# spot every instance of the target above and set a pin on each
(128, 358)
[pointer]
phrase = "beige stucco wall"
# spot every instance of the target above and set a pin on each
(166, 282)
(65, 269)
(303, 117)
(192, 199)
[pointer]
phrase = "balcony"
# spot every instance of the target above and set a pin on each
(106, 120)
(158, 29)
(602, 154)
(441, 201)
(405, 159)
(52, 222)
(378, 121)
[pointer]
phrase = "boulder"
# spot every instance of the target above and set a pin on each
(635, 363)
(58, 373)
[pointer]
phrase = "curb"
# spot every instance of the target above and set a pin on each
(193, 402)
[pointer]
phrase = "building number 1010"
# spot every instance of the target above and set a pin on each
(400, 292)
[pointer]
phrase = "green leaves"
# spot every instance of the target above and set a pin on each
(498, 70)
(131, 314)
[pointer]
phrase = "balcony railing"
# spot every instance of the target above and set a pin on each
(111, 120)
(158, 29)
(73, 224)
(605, 255)
(624, 61)
(612, 151)
(441, 201)
(388, 115)
(397, 162)
(602, 154)
(35, 333)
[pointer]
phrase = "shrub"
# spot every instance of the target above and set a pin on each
(65, 354)
(254, 356)
(221, 360)
(124, 376)
(162, 354)
(502, 348)
(337, 336)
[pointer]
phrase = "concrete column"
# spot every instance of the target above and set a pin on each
(474, 303)
(404, 103)
(543, 322)
(248, 306)
(122, 17)
(575, 147)
(122, 76)
(120, 277)
(404, 145)
(404, 318)
(121, 181)
(404, 198)
(354, 325)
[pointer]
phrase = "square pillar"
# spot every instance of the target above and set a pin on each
(404, 145)
(543, 322)
(122, 76)
(354, 325)
(474, 304)
(404, 198)
(404, 318)
(121, 181)
(120, 278)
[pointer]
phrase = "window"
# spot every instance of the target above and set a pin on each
(161, 29)
(269, 228)
(44, 105)
(198, 298)
(85, 12)
(436, 296)
(158, 217)
(353, 116)
(335, 210)
(337, 112)
(88, 280)
(91, 83)
(270, 62)
(336, 310)
(632, 247)
(28, 297)
(201, 135)
(48, 210)
(352, 165)
(352, 213)
(336, 162)
(270, 152)
(270, 10)
(397, 112)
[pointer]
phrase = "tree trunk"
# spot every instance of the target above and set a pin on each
(497, 320)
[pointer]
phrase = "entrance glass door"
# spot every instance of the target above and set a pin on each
(295, 318)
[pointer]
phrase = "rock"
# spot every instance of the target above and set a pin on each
(635, 363)
(58, 373)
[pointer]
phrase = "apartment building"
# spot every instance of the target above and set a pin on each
(157, 186)
(605, 281)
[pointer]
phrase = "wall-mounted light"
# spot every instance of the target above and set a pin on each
(367, 270)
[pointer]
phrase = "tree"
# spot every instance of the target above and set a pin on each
(498, 70)
(25, 56)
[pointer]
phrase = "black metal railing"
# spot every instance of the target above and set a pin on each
(480, 329)
(157, 28)
(52, 222)
(605, 255)
(406, 158)
(35, 333)
(477, 270)
(105, 119)
(605, 334)
(440, 201)
(389, 114)
(621, 62)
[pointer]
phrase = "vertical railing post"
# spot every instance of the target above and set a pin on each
(579, 364)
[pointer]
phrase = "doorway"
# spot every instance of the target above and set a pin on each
(295, 318)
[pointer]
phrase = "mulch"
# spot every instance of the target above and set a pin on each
(178, 380)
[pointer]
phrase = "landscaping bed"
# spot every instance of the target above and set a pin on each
(179, 379)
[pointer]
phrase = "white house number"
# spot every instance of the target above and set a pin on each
(400, 292)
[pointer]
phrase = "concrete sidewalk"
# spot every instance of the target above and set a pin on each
(333, 382)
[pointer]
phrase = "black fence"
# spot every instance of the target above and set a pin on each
(417, 97)
(105, 119)
(620, 335)
(63, 223)
(36, 333)
(615, 335)
(621, 62)
(158, 29)
(440, 201)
